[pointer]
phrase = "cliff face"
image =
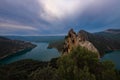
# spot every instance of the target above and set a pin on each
(74, 40)
(70, 41)
(94, 42)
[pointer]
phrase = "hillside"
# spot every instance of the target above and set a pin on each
(57, 44)
(80, 64)
(9, 47)
(101, 42)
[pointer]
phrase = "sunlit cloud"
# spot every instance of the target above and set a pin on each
(43, 17)
(58, 9)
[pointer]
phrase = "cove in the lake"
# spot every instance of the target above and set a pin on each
(114, 57)
(41, 53)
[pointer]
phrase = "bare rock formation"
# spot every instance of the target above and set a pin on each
(74, 40)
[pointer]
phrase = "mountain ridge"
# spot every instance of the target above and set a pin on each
(74, 40)
(92, 41)
(115, 31)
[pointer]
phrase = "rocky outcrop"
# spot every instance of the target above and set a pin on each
(99, 43)
(70, 41)
(74, 40)
(9, 47)
(83, 40)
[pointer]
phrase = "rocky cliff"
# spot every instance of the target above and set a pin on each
(91, 41)
(74, 40)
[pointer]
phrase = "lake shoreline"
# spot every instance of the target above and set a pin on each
(40, 53)
(16, 53)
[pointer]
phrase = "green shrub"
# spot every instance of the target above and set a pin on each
(82, 64)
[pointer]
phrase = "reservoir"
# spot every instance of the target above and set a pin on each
(114, 57)
(41, 53)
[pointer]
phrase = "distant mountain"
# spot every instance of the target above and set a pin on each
(101, 42)
(9, 47)
(37, 38)
(113, 34)
(113, 31)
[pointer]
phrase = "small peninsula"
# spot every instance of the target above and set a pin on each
(10, 47)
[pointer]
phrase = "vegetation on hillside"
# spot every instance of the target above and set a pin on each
(57, 44)
(80, 64)
(10, 47)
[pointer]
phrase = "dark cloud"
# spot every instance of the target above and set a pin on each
(96, 16)
(26, 11)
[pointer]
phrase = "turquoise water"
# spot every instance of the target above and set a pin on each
(114, 57)
(40, 53)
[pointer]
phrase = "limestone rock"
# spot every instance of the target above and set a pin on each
(74, 40)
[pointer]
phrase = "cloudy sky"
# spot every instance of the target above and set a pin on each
(56, 17)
